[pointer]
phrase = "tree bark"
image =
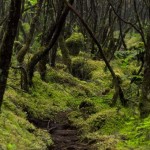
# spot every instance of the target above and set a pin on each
(64, 52)
(7, 44)
(145, 98)
(53, 55)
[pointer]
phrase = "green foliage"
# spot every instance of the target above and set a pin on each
(11, 146)
(132, 40)
(26, 27)
(75, 43)
(33, 2)
(76, 29)
(127, 57)
(36, 45)
(137, 134)
(122, 54)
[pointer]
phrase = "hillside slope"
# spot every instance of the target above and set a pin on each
(87, 103)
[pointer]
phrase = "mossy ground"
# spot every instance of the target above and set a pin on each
(117, 128)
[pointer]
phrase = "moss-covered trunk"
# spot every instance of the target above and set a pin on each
(42, 66)
(65, 52)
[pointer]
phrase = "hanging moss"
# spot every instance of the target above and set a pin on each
(75, 43)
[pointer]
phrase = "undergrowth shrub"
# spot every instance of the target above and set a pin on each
(81, 69)
(132, 40)
(87, 107)
(127, 57)
(75, 43)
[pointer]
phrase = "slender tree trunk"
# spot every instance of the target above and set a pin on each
(65, 52)
(94, 25)
(42, 66)
(145, 99)
(7, 44)
(53, 55)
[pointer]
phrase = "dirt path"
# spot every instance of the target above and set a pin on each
(66, 136)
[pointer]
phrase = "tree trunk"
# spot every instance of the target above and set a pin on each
(55, 34)
(7, 44)
(53, 55)
(42, 66)
(145, 99)
(65, 52)
(25, 48)
(47, 37)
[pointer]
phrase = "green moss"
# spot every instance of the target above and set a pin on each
(17, 133)
(75, 43)
(43, 101)
(26, 27)
(137, 133)
(81, 69)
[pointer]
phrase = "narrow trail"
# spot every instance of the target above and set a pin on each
(66, 136)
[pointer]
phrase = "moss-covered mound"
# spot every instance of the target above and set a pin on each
(75, 43)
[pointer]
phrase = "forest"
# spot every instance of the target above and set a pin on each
(74, 75)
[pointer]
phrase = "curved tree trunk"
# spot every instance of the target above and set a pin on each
(55, 34)
(145, 99)
(47, 37)
(7, 44)
(25, 48)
